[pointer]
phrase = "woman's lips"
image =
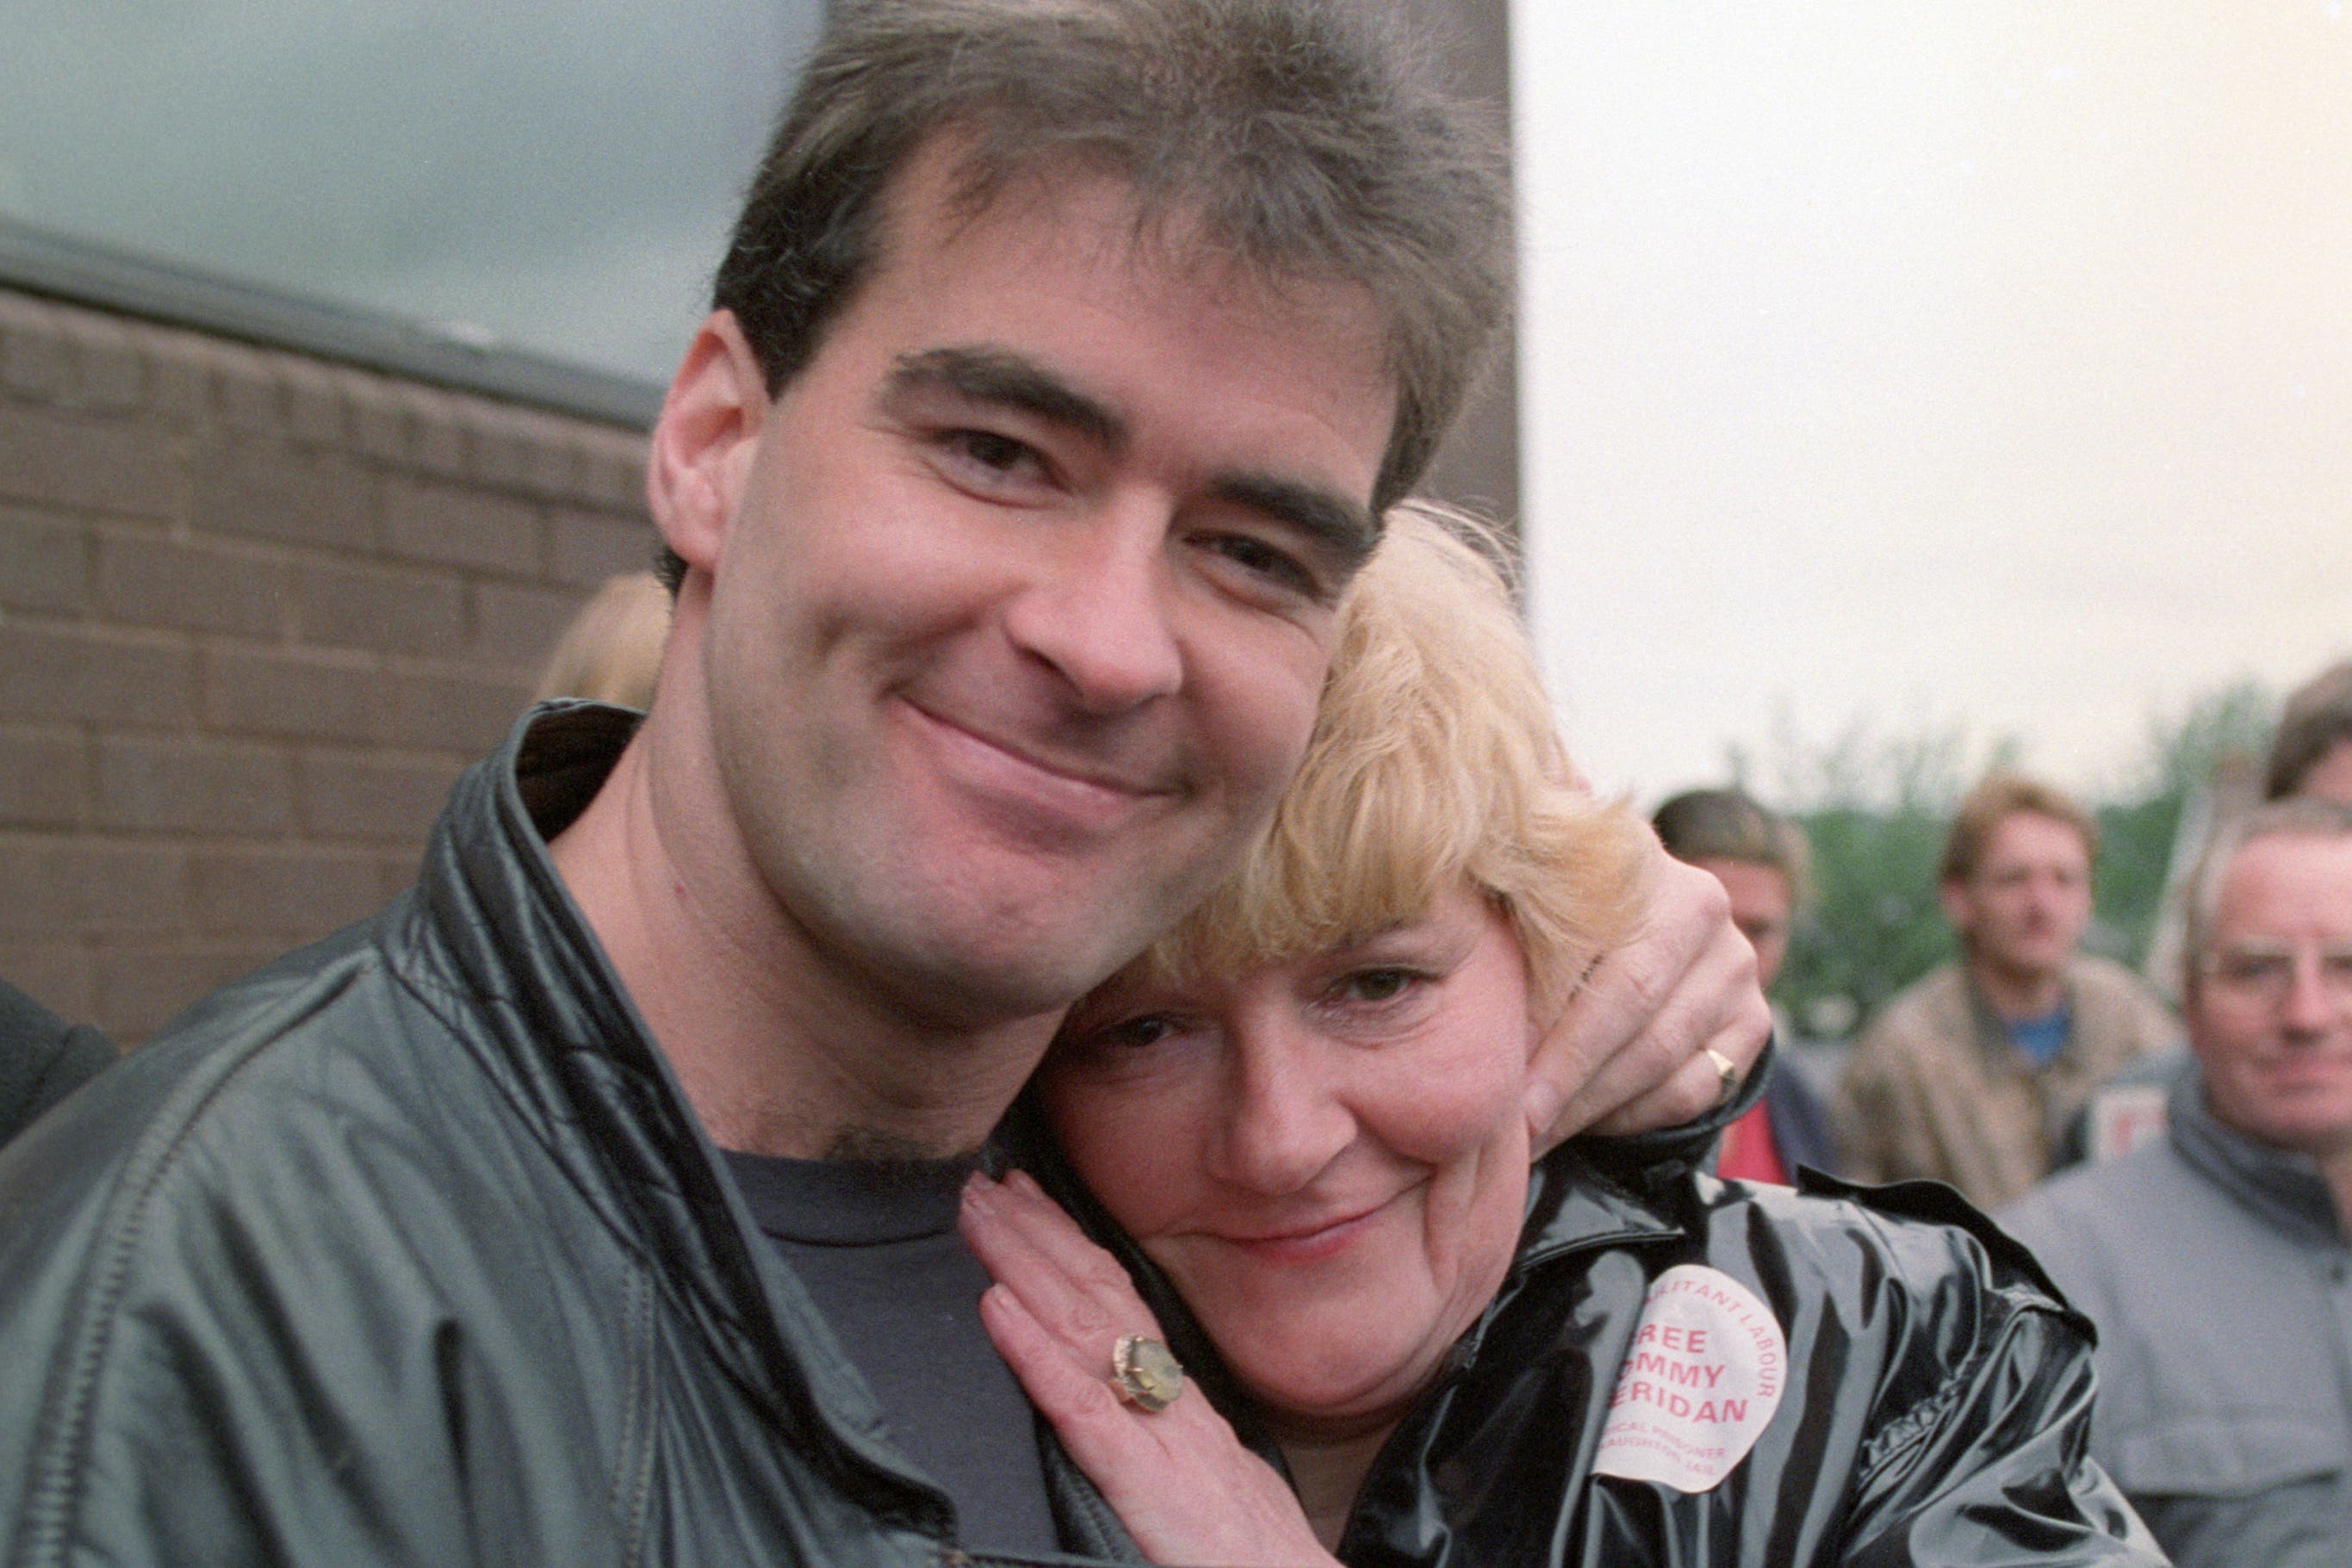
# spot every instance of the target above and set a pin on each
(1311, 1242)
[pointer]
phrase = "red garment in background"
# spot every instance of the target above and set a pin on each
(1749, 1153)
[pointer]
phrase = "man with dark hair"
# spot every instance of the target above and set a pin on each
(1760, 858)
(1972, 1075)
(2311, 753)
(2214, 1259)
(595, 1202)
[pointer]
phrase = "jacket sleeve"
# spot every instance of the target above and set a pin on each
(42, 1058)
(202, 1373)
(1980, 1452)
(1646, 1160)
(1862, 1109)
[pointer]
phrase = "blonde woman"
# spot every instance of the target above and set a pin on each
(1297, 1121)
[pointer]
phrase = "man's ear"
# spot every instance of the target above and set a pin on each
(1957, 907)
(704, 441)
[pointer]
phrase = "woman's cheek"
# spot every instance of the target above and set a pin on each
(1453, 1111)
(1129, 1148)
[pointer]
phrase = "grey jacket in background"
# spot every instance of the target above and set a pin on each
(2221, 1286)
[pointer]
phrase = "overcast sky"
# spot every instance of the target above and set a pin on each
(1930, 363)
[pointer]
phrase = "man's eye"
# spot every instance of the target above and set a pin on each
(2257, 969)
(1260, 559)
(997, 453)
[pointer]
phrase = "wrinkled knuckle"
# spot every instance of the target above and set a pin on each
(1097, 1401)
(1100, 1272)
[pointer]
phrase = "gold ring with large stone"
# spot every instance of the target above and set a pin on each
(1725, 1070)
(1145, 1372)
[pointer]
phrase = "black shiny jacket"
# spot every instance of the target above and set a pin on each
(408, 1250)
(1936, 1407)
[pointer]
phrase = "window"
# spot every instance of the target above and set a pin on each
(553, 178)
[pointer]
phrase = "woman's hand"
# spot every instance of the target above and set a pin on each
(1179, 1480)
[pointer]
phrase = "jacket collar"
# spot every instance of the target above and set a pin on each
(1573, 1208)
(2282, 1187)
(561, 1036)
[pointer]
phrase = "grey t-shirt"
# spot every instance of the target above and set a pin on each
(875, 1244)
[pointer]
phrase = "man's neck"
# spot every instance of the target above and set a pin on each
(2015, 997)
(778, 1051)
(1328, 1472)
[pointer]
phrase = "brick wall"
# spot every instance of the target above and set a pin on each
(256, 612)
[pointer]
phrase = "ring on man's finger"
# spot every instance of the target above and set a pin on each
(1725, 1070)
(1145, 1372)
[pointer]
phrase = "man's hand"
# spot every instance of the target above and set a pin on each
(1627, 1054)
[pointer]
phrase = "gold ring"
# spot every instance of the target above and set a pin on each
(1727, 1070)
(1145, 1372)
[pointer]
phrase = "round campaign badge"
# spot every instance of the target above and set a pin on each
(1705, 1373)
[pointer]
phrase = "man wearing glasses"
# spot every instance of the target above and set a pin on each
(2214, 1259)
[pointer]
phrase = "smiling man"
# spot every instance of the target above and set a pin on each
(2215, 1258)
(595, 1202)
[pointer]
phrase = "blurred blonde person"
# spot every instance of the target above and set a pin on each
(612, 651)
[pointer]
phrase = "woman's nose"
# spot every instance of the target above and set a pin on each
(1286, 1118)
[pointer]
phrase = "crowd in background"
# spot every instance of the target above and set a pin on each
(2185, 1180)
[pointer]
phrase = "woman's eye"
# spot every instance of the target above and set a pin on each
(1378, 985)
(1134, 1034)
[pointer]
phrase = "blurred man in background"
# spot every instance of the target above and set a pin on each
(1762, 859)
(1970, 1075)
(2311, 753)
(2214, 1259)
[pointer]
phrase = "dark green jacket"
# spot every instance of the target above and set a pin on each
(408, 1250)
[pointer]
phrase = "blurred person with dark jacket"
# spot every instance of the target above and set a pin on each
(1761, 859)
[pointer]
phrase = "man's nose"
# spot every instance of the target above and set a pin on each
(1100, 610)
(1286, 1120)
(2311, 1007)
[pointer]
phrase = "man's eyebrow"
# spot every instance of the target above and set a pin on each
(1341, 526)
(1009, 380)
